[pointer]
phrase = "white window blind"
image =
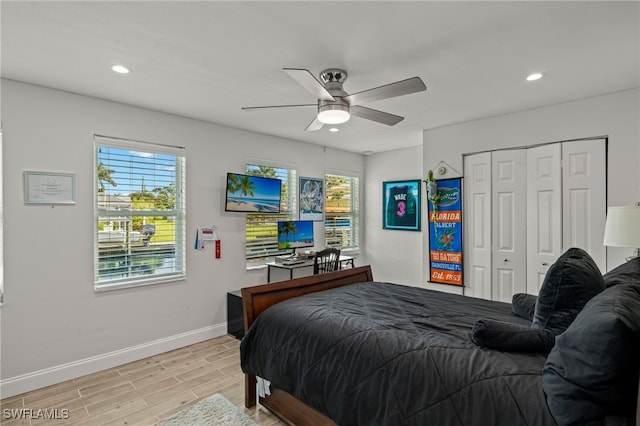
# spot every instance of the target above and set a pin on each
(139, 235)
(262, 229)
(341, 218)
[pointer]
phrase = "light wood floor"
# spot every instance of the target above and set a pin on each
(145, 391)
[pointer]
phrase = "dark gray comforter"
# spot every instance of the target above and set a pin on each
(380, 353)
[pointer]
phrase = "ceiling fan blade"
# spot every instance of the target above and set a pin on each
(375, 115)
(309, 82)
(399, 88)
(314, 125)
(278, 106)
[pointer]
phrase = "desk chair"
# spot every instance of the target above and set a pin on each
(327, 260)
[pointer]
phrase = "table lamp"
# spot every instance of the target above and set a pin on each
(622, 228)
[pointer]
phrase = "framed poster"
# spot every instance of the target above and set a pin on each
(49, 188)
(311, 199)
(445, 233)
(401, 205)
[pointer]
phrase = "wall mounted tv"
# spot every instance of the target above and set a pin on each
(252, 194)
(293, 234)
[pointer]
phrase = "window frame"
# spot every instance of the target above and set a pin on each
(353, 213)
(127, 215)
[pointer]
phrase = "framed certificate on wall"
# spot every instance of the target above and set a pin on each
(49, 188)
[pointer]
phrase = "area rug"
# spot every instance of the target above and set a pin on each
(214, 410)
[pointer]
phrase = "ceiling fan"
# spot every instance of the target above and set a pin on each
(335, 106)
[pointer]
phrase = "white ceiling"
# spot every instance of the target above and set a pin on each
(208, 59)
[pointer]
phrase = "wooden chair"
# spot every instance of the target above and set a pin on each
(327, 260)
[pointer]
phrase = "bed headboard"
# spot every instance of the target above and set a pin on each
(258, 298)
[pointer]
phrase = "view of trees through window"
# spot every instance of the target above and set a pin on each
(140, 210)
(341, 218)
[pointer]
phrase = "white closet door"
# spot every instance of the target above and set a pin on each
(584, 197)
(508, 222)
(544, 212)
(477, 222)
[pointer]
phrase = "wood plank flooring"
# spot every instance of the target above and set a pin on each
(142, 392)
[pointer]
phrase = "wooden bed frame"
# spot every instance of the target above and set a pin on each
(258, 298)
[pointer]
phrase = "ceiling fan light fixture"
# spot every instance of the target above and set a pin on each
(333, 114)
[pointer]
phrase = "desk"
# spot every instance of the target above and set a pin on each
(344, 262)
(290, 268)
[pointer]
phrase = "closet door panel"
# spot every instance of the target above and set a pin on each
(477, 214)
(508, 223)
(584, 198)
(544, 212)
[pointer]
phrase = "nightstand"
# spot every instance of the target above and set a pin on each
(235, 314)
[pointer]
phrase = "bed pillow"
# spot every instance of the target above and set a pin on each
(592, 371)
(523, 305)
(568, 285)
(628, 272)
(507, 336)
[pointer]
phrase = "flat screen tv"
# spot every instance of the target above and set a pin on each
(252, 194)
(293, 234)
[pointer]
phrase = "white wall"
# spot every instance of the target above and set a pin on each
(394, 256)
(616, 116)
(54, 326)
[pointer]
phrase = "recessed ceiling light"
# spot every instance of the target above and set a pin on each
(120, 69)
(535, 76)
(334, 129)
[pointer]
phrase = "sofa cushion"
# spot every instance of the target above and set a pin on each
(569, 284)
(592, 371)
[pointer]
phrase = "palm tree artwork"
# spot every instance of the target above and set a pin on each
(242, 184)
(286, 228)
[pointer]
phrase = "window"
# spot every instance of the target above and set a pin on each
(1, 227)
(262, 229)
(341, 218)
(139, 235)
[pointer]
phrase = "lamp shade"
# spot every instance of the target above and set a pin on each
(622, 228)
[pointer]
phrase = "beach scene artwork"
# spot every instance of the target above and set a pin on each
(295, 234)
(246, 193)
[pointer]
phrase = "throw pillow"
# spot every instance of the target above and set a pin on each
(568, 285)
(627, 273)
(592, 371)
(506, 336)
(523, 305)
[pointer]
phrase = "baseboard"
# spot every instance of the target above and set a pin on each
(60, 373)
